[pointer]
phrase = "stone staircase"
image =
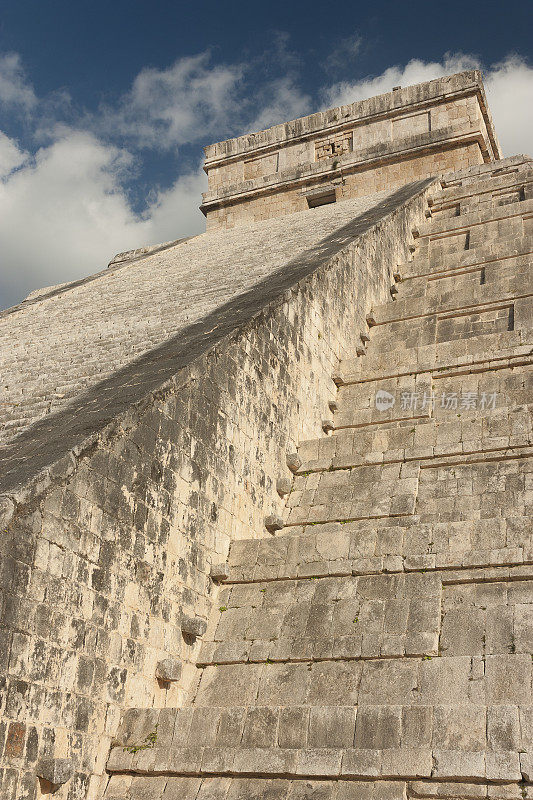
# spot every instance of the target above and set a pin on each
(379, 646)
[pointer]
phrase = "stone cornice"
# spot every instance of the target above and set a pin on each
(393, 104)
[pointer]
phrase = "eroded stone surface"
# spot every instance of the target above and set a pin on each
(386, 631)
(379, 645)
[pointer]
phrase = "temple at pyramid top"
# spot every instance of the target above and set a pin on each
(354, 150)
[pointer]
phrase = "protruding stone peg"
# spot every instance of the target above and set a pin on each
(360, 350)
(168, 670)
(416, 233)
(364, 337)
(283, 486)
(327, 425)
(294, 462)
(273, 523)
(333, 406)
(193, 626)
(55, 771)
(397, 276)
(337, 378)
(394, 289)
(370, 320)
(219, 572)
(412, 248)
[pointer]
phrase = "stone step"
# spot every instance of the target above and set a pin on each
(501, 191)
(493, 285)
(429, 263)
(340, 618)
(461, 185)
(363, 492)
(423, 682)
(296, 727)
(443, 244)
(492, 353)
(325, 618)
(424, 487)
(464, 741)
(491, 197)
(442, 396)
(419, 440)
(476, 273)
(450, 325)
(389, 545)
(483, 215)
(139, 787)
(425, 269)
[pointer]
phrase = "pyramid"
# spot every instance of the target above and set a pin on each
(267, 491)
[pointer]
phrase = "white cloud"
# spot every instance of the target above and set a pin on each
(280, 101)
(509, 87)
(345, 51)
(64, 214)
(14, 88)
(168, 107)
(415, 71)
(64, 211)
(11, 156)
(193, 100)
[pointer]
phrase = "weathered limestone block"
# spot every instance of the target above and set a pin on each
(219, 572)
(169, 670)
(526, 766)
(283, 486)
(193, 626)
(55, 771)
(7, 508)
(294, 462)
(273, 523)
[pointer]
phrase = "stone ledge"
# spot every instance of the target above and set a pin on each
(394, 764)
(359, 372)
(457, 193)
(474, 218)
(128, 787)
(308, 543)
(143, 252)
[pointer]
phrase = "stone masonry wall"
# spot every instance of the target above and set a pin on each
(106, 553)
(375, 177)
(379, 646)
(353, 150)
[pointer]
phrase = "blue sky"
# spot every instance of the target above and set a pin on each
(105, 107)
